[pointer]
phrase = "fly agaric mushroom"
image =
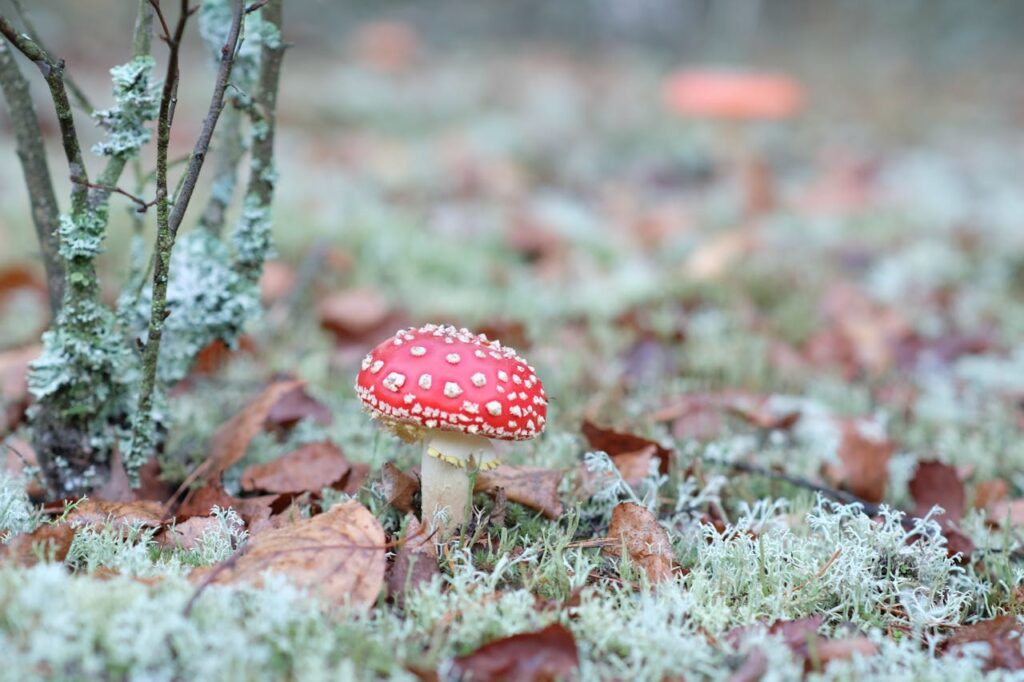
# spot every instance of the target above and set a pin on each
(736, 98)
(455, 391)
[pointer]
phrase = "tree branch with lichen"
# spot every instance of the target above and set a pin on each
(169, 217)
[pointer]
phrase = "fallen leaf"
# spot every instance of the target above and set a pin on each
(828, 650)
(1003, 636)
(188, 533)
(310, 468)
(356, 314)
(753, 668)
(637, 530)
(230, 441)
(618, 443)
(635, 466)
(533, 487)
(296, 405)
(415, 561)
(871, 331)
(338, 555)
(542, 656)
(1010, 512)
(399, 488)
(49, 542)
(252, 509)
(511, 333)
(215, 356)
(863, 460)
(756, 413)
(988, 493)
(144, 513)
(935, 483)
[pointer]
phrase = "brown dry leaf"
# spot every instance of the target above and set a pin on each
(532, 487)
(542, 656)
(863, 461)
(1002, 634)
(635, 466)
(618, 442)
(872, 330)
(188, 533)
(229, 443)
(356, 314)
(51, 542)
(988, 493)
(310, 468)
(637, 530)
(295, 406)
(757, 414)
(399, 487)
(252, 509)
(415, 562)
(935, 483)
(828, 650)
(215, 356)
(145, 513)
(339, 555)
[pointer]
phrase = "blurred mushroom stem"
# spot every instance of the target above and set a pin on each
(448, 459)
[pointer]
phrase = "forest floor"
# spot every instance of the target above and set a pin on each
(771, 351)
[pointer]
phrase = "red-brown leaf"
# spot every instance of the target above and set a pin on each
(399, 487)
(415, 561)
(296, 405)
(935, 483)
(637, 530)
(1002, 634)
(617, 442)
(864, 459)
(310, 468)
(532, 487)
(542, 656)
(145, 513)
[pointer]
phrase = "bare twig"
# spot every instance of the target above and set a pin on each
(108, 189)
(81, 100)
(168, 218)
(210, 577)
(255, 6)
(842, 496)
(36, 171)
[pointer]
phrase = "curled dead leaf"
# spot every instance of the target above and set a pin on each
(142, 513)
(546, 655)
(296, 405)
(399, 487)
(636, 530)
(618, 442)
(48, 542)
(310, 468)
(355, 315)
(338, 555)
(415, 561)
(935, 483)
(863, 460)
(533, 487)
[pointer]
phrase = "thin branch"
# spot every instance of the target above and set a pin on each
(36, 171)
(81, 100)
(255, 6)
(168, 219)
(842, 496)
(53, 72)
(109, 189)
(227, 60)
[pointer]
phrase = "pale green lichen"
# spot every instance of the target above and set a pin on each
(136, 102)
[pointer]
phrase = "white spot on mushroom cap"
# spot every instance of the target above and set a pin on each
(479, 379)
(453, 358)
(425, 381)
(375, 367)
(515, 410)
(394, 381)
(493, 408)
(452, 389)
(418, 351)
(502, 375)
(367, 361)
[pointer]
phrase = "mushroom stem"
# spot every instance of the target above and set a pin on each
(446, 485)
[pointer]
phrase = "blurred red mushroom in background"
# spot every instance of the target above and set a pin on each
(737, 98)
(388, 46)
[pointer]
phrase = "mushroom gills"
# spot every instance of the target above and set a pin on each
(444, 472)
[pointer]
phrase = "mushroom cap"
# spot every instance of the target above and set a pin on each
(440, 377)
(734, 95)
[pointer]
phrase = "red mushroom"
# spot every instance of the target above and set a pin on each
(455, 391)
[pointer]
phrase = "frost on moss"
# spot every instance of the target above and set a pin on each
(206, 299)
(136, 102)
(17, 514)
